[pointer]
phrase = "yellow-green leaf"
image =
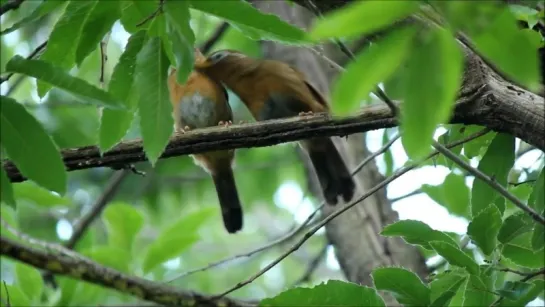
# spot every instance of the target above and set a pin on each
(433, 78)
(378, 61)
(56, 76)
(361, 17)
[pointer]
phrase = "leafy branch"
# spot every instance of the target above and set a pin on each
(344, 208)
(100, 275)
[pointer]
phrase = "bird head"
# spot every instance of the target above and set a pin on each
(216, 57)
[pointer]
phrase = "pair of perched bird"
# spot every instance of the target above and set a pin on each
(270, 90)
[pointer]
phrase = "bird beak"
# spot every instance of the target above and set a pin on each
(200, 60)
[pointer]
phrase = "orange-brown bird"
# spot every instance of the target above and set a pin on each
(273, 89)
(199, 103)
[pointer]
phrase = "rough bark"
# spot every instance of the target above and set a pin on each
(358, 246)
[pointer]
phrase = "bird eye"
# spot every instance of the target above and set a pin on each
(216, 57)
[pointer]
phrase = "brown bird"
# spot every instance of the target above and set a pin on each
(200, 103)
(273, 89)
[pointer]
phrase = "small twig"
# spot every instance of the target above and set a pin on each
(81, 227)
(525, 274)
(291, 233)
(30, 56)
(103, 57)
(312, 266)
(413, 193)
(109, 191)
(8, 303)
(150, 17)
(338, 212)
(10, 5)
(206, 46)
(516, 184)
(490, 181)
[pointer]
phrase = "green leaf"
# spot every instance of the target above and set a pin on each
(380, 60)
(175, 239)
(270, 27)
(537, 198)
(135, 12)
(330, 293)
(538, 236)
(155, 110)
(16, 296)
(30, 281)
(444, 288)
(416, 232)
(182, 38)
(43, 9)
(514, 290)
(484, 229)
(514, 225)
(114, 124)
(123, 223)
(496, 162)
(361, 17)
(520, 252)
(453, 194)
(100, 20)
(527, 296)
(437, 63)
(40, 196)
(6, 189)
(114, 257)
(405, 286)
(455, 256)
(477, 293)
(22, 137)
(64, 39)
(55, 76)
(508, 49)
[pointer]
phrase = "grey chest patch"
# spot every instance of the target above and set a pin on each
(198, 111)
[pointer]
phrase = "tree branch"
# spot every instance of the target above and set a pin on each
(267, 133)
(100, 275)
(490, 181)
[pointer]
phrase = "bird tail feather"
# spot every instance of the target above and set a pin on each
(226, 189)
(332, 172)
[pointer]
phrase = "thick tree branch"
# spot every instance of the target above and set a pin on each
(492, 107)
(97, 274)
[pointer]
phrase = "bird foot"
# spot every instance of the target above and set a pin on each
(185, 129)
(306, 113)
(225, 123)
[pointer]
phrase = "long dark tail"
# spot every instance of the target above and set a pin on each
(331, 170)
(231, 209)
